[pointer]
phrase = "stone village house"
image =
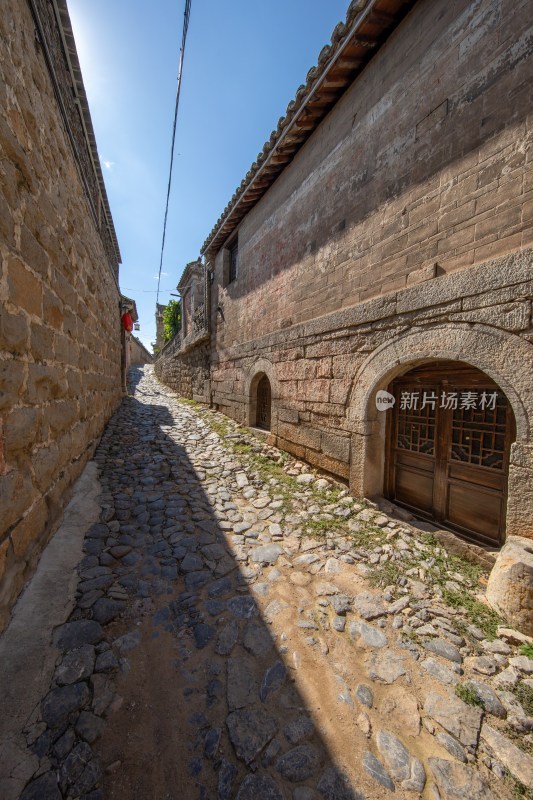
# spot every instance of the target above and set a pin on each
(381, 242)
(61, 346)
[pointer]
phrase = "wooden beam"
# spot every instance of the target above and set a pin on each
(348, 62)
(382, 18)
(362, 40)
(334, 83)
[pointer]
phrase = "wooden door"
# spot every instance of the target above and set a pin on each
(449, 440)
(264, 400)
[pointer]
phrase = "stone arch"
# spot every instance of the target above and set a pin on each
(504, 357)
(258, 369)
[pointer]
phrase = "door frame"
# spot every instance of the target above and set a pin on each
(443, 439)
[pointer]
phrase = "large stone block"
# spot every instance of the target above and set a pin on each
(25, 290)
(21, 429)
(45, 462)
(12, 375)
(45, 383)
(337, 447)
(299, 434)
(29, 528)
(510, 586)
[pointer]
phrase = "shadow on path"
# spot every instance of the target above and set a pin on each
(193, 686)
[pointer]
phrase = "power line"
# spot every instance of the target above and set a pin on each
(145, 291)
(186, 16)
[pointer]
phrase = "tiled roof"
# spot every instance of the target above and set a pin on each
(353, 43)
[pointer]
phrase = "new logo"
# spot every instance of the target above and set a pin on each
(384, 400)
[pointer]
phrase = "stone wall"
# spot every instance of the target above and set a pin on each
(59, 323)
(187, 371)
(322, 395)
(400, 233)
(423, 168)
(137, 352)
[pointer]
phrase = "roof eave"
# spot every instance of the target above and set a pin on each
(353, 45)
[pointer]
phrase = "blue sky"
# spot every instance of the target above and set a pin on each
(244, 61)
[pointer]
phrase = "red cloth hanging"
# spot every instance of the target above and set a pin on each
(127, 322)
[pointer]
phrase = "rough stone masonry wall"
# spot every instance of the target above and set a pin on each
(423, 168)
(59, 324)
(312, 366)
(186, 372)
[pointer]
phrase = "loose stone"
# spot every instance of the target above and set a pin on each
(273, 680)
(75, 634)
(42, 788)
(59, 703)
(259, 786)
(402, 765)
(485, 665)
(458, 781)
(250, 731)
(340, 603)
(89, 726)
(369, 636)
(488, 698)
(75, 666)
(365, 695)
(332, 567)
(298, 730)
(127, 642)
(377, 771)
(345, 695)
(368, 606)
(243, 607)
(211, 742)
(444, 649)
(439, 671)
(219, 587)
(267, 554)
(451, 745)
(519, 764)
(461, 720)
(299, 763)
(385, 666)
(257, 639)
(226, 777)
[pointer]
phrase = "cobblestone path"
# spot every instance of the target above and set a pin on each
(220, 650)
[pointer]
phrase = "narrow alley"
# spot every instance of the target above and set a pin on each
(243, 632)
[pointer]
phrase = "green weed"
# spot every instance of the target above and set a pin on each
(478, 613)
(526, 650)
(467, 695)
(524, 695)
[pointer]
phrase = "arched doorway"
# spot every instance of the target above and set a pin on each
(449, 437)
(263, 404)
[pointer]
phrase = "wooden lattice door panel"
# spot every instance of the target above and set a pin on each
(414, 450)
(264, 403)
(450, 434)
(478, 457)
